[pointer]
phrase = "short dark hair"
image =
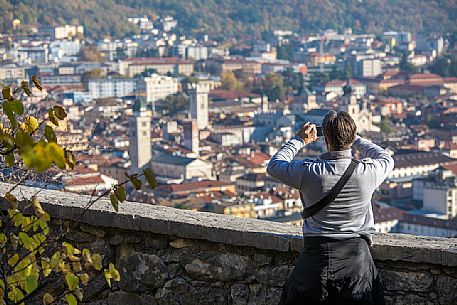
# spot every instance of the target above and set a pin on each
(339, 130)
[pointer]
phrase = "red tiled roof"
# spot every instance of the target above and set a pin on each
(230, 94)
(385, 214)
(189, 186)
(91, 180)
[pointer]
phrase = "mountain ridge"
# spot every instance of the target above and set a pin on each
(238, 18)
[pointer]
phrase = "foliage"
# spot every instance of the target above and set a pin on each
(293, 81)
(34, 255)
(237, 18)
(175, 103)
(272, 85)
(91, 74)
(90, 53)
(230, 82)
(445, 66)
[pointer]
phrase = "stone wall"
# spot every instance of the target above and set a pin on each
(170, 256)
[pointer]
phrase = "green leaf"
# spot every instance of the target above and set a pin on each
(120, 193)
(55, 259)
(26, 240)
(13, 259)
(52, 117)
(31, 283)
(114, 201)
(8, 110)
(23, 139)
(9, 159)
(71, 299)
(17, 107)
(72, 281)
(49, 134)
(97, 261)
(150, 177)
(60, 112)
(135, 181)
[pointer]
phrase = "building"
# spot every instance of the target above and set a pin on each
(336, 86)
(168, 166)
(250, 182)
(417, 163)
(12, 72)
(113, 87)
(68, 31)
(363, 117)
(191, 136)
(422, 225)
(159, 87)
(386, 218)
(140, 138)
(198, 94)
(438, 193)
(367, 68)
(162, 65)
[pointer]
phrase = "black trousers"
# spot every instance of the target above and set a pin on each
(331, 271)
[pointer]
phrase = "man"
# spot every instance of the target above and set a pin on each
(335, 265)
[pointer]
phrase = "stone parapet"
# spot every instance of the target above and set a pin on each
(171, 256)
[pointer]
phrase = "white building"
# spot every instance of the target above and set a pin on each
(178, 167)
(368, 68)
(417, 164)
(438, 193)
(198, 94)
(68, 31)
(113, 87)
(421, 225)
(159, 87)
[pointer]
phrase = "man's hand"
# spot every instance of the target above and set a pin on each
(308, 133)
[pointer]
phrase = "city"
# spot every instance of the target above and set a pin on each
(208, 114)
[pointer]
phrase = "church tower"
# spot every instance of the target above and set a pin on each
(198, 94)
(140, 137)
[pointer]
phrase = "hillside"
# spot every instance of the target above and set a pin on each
(242, 17)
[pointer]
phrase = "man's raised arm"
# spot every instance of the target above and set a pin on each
(383, 161)
(282, 166)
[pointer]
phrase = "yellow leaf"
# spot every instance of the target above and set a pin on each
(57, 154)
(11, 199)
(55, 259)
(114, 273)
(71, 299)
(87, 257)
(37, 207)
(13, 259)
(47, 299)
(31, 123)
(7, 92)
(76, 266)
(97, 261)
(72, 281)
(84, 278)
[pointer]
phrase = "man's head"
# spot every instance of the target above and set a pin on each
(339, 130)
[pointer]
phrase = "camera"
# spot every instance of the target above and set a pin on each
(319, 131)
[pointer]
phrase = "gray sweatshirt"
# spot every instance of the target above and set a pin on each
(350, 214)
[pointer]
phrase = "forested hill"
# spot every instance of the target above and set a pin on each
(241, 17)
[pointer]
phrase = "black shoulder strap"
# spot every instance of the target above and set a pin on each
(332, 194)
